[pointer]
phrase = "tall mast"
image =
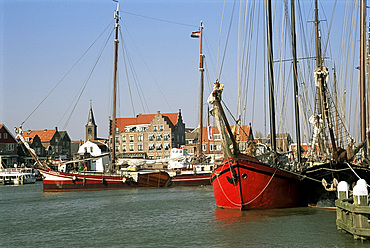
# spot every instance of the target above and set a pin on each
(113, 128)
(201, 69)
(363, 70)
(296, 95)
(270, 76)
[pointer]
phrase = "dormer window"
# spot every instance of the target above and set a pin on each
(155, 128)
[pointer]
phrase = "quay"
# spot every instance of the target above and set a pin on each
(353, 213)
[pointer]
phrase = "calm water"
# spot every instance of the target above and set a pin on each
(170, 217)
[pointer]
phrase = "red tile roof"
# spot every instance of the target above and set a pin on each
(122, 123)
(44, 135)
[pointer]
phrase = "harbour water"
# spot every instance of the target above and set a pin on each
(167, 217)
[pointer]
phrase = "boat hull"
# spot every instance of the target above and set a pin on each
(191, 180)
(60, 181)
(245, 183)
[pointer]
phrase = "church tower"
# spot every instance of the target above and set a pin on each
(91, 128)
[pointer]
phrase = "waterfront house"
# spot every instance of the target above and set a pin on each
(94, 149)
(56, 144)
(8, 148)
(149, 135)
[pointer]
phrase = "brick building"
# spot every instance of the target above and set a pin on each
(149, 135)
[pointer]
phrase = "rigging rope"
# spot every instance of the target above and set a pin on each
(73, 66)
(227, 40)
(85, 84)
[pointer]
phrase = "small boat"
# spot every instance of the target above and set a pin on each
(112, 178)
(17, 176)
(186, 173)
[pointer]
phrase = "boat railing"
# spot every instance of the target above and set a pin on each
(16, 170)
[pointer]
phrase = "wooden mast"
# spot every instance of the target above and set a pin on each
(362, 70)
(201, 69)
(295, 76)
(270, 76)
(113, 127)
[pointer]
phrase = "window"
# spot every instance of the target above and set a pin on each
(140, 137)
(131, 147)
(123, 147)
(159, 157)
(9, 147)
(89, 130)
(131, 138)
(117, 148)
(159, 147)
(161, 128)
(123, 138)
(166, 146)
(140, 147)
(217, 136)
(155, 128)
(91, 149)
(151, 147)
(5, 135)
(117, 130)
(158, 137)
(0, 135)
(151, 137)
(166, 137)
(117, 140)
(204, 147)
(151, 157)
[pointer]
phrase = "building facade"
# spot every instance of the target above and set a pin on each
(211, 140)
(8, 148)
(149, 135)
(56, 144)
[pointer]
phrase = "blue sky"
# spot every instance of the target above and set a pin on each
(42, 40)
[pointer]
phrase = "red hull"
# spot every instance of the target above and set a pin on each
(59, 181)
(191, 180)
(255, 185)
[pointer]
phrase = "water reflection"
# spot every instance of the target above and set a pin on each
(232, 215)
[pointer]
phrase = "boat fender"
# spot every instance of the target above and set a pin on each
(124, 179)
(74, 178)
(84, 180)
(103, 181)
(244, 176)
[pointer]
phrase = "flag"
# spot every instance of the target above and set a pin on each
(195, 34)
(210, 136)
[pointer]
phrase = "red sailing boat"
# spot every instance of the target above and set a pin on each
(242, 181)
(93, 180)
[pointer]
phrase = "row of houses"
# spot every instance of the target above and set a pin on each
(150, 136)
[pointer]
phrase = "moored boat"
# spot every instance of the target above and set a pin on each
(17, 176)
(242, 181)
(61, 181)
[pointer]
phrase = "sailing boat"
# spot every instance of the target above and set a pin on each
(114, 178)
(242, 181)
(323, 172)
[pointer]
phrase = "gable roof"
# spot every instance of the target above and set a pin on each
(140, 119)
(11, 136)
(44, 135)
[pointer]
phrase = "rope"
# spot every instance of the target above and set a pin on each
(263, 189)
(74, 65)
(243, 204)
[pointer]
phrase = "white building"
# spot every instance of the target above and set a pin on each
(95, 149)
